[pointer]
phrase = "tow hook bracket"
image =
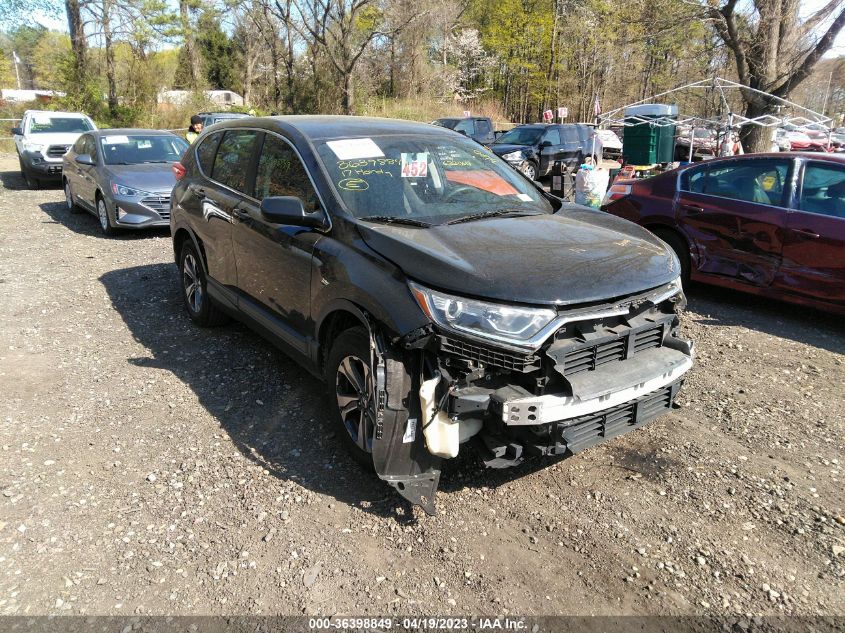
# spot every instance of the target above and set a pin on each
(418, 489)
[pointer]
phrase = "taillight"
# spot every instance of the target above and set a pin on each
(615, 193)
(179, 171)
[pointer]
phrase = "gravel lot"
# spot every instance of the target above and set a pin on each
(151, 467)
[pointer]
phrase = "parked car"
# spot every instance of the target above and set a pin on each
(441, 295)
(705, 143)
(605, 143)
(210, 118)
(768, 224)
(799, 141)
(534, 148)
(478, 128)
(42, 139)
(124, 177)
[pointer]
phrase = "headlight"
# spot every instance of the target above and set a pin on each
(120, 190)
(32, 147)
(513, 156)
(508, 324)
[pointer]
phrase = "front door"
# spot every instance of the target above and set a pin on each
(734, 213)
(274, 261)
(814, 244)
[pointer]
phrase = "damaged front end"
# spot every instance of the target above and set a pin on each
(590, 374)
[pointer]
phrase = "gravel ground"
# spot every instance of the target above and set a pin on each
(151, 467)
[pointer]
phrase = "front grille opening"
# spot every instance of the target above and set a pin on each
(481, 355)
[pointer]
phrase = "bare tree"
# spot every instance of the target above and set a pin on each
(191, 50)
(73, 9)
(773, 50)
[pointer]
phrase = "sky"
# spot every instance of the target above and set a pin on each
(808, 7)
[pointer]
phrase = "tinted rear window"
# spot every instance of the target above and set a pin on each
(206, 150)
(232, 160)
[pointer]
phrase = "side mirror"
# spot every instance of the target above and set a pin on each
(16, 131)
(289, 210)
(545, 144)
(85, 159)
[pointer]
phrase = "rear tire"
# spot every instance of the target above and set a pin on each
(201, 309)
(681, 248)
(352, 396)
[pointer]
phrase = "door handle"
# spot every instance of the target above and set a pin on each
(692, 209)
(808, 233)
(197, 191)
(242, 214)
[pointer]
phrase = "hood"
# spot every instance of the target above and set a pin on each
(507, 148)
(578, 255)
(64, 138)
(152, 177)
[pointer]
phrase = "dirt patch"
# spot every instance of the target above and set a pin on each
(151, 467)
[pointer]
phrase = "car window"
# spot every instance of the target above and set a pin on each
(281, 173)
(760, 181)
(78, 146)
(569, 134)
(432, 178)
(520, 136)
(47, 124)
(483, 126)
(467, 126)
(233, 157)
(552, 136)
(90, 148)
(823, 190)
(136, 149)
(206, 150)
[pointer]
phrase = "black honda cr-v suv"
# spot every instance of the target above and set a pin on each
(441, 295)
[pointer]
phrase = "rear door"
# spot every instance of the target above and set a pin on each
(814, 244)
(734, 212)
(570, 149)
(274, 260)
(217, 197)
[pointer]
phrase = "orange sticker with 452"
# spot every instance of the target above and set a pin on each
(415, 165)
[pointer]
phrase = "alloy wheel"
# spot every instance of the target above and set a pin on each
(103, 214)
(356, 401)
(528, 170)
(192, 284)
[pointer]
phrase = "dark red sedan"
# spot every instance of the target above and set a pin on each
(769, 224)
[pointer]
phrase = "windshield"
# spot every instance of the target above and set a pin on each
(520, 136)
(134, 149)
(428, 179)
(58, 125)
(447, 123)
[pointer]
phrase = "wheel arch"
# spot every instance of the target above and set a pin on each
(341, 316)
(183, 235)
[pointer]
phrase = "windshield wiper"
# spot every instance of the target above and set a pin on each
(157, 161)
(490, 214)
(389, 219)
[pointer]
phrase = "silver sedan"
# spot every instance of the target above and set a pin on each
(124, 177)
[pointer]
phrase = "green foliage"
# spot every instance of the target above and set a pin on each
(217, 51)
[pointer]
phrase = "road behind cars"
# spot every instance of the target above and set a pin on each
(148, 466)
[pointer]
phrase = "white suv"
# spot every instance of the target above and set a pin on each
(43, 138)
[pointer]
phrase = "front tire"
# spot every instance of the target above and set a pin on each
(529, 169)
(201, 309)
(352, 395)
(31, 182)
(103, 216)
(69, 202)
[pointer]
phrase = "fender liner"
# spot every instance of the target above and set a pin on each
(400, 456)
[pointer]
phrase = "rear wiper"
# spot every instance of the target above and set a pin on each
(389, 219)
(489, 214)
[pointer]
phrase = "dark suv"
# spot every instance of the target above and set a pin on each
(442, 296)
(533, 149)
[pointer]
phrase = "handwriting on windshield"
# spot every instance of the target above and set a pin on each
(366, 162)
(353, 184)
